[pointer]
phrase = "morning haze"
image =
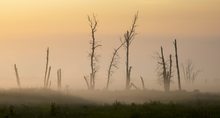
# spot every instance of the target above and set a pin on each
(27, 28)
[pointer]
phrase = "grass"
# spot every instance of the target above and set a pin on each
(116, 110)
(38, 103)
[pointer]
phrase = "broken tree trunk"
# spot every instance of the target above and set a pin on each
(177, 65)
(48, 78)
(59, 79)
(142, 81)
(17, 76)
(87, 82)
(133, 85)
(46, 70)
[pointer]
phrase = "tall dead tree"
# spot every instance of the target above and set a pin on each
(166, 72)
(128, 38)
(93, 56)
(113, 64)
(17, 76)
(59, 79)
(177, 65)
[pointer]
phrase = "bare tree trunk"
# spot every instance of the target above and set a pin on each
(177, 65)
(142, 81)
(17, 76)
(164, 70)
(59, 79)
(46, 71)
(169, 74)
(127, 65)
(129, 76)
(93, 58)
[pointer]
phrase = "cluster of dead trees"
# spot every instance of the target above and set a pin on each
(46, 82)
(129, 36)
(166, 66)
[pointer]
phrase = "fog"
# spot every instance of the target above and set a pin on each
(71, 54)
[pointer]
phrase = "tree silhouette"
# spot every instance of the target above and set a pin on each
(177, 65)
(113, 64)
(17, 76)
(47, 81)
(165, 70)
(59, 79)
(128, 38)
(93, 56)
(189, 72)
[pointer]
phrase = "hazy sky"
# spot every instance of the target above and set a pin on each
(28, 27)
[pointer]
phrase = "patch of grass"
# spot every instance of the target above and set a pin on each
(116, 110)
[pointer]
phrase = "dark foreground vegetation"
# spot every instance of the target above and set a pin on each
(45, 103)
(116, 110)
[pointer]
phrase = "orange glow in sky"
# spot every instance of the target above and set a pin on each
(28, 27)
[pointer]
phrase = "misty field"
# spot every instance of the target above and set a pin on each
(35, 103)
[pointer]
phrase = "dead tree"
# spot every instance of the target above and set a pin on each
(128, 38)
(142, 81)
(177, 65)
(166, 72)
(93, 56)
(17, 76)
(113, 64)
(46, 70)
(189, 72)
(59, 79)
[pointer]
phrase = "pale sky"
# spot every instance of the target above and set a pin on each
(28, 27)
